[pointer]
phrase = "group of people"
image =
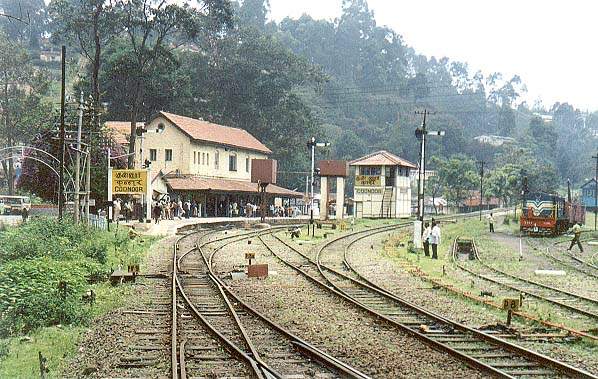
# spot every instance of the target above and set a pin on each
(283, 211)
(127, 209)
(171, 209)
(431, 237)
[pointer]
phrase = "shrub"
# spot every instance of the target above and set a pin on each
(30, 293)
(39, 255)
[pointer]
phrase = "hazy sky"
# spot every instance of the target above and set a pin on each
(550, 44)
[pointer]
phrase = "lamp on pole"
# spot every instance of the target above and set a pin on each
(421, 134)
(312, 144)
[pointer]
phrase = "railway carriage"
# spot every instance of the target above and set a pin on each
(547, 214)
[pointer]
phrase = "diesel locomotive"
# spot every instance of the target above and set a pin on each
(548, 214)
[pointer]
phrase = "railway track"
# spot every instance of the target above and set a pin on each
(250, 345)
(567, 260)
(580, 305)
(484, 351)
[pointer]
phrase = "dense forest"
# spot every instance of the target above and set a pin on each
(348, 80)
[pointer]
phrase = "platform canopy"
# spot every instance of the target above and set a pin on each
(196, 183)
(381, 158)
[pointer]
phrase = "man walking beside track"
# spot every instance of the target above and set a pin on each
(576, 229)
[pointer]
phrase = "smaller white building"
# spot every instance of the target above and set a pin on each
(382, 186)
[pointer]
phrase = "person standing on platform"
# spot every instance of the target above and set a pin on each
(491, 222)
(116, 210)
(179, 209)
(435, 239)
(576, 229)
(426, 239)
(157, 211)
(24, 214)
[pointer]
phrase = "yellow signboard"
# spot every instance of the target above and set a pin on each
(129, 181)
(367, 180)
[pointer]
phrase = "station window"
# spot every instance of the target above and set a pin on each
(153, 155)
(232, 162)
(208, 159)
(168, 155)
(216, 159)
(195, 157)
(247, 164)
(371, 171)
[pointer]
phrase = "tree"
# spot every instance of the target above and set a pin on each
(24, 21)
(434, 187)
(22, 111)
(89, 24)
(504, 182)
(254, 13)
(154, 30)
(457, 175)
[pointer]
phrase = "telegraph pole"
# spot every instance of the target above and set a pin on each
(595, 190)
(481, 186)
(78, 161)
(62, 133)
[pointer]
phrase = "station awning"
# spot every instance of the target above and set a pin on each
(225, 186)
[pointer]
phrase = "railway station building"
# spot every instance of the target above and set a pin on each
(200, 161)
(382, 186)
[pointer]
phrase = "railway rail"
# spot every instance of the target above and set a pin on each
(574, 263)
(567, 260)
(580, 305)
(478, 349)
(250, 344)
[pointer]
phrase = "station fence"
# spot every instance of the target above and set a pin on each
(98, 222)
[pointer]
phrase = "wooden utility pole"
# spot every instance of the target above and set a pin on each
(482, 163)
(62, 133)
(595, 190)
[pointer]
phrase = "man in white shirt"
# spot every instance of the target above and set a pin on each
(490, 218)
(435, 239)
(425, 239)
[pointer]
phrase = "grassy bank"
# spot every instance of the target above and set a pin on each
(46, 269)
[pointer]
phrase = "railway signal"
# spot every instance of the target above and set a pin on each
(421, 133)
(312, 144)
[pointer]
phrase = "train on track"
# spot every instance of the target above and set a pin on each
(548, 214)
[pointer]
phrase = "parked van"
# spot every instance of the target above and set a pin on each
(12, 205)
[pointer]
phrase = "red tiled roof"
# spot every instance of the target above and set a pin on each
(381, 158)
(210, 132)
(120, 130)
(474, 200)
(196, 183)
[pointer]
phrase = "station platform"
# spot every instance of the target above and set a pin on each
(171, 227)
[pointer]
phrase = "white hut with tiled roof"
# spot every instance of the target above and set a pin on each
(382, 186)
